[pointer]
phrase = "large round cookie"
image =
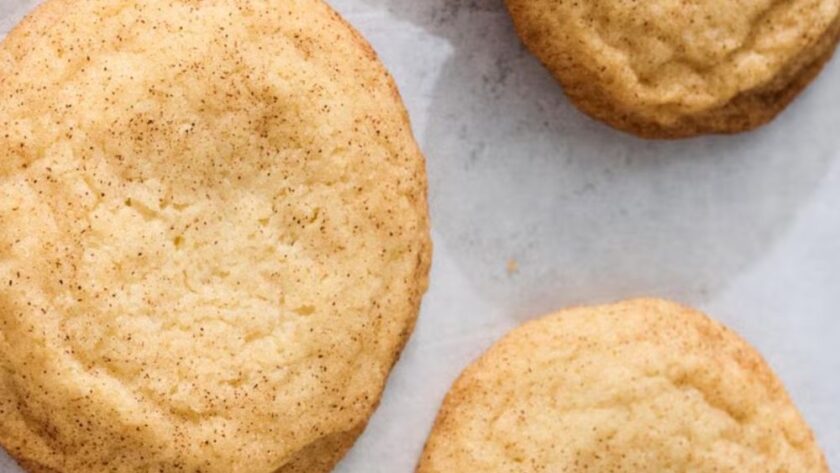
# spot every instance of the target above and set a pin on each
(213, 236)
(671, 68)
(640, 386)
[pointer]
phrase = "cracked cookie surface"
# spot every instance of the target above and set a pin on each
(213, 236)
(643, 385)
(673, 68)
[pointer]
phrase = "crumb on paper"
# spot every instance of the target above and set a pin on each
(512, 266)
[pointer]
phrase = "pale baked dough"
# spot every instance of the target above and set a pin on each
(213, 236)
(639, 386)
(674, 68)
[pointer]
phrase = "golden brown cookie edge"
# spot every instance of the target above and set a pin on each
(745, 112)
(747, 356)
(50, 11)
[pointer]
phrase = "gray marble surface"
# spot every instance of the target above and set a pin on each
(746, 227)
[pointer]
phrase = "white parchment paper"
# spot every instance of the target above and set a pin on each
(746, 228)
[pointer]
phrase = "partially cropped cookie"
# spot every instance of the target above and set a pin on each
(639, 386)
(671, 68)
(213, 236)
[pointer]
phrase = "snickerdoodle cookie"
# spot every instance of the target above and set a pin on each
(213, 236)
(673, 68)
(639, 386)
